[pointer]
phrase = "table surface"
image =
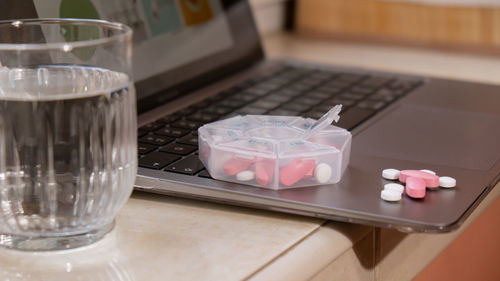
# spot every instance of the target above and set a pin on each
(164, 238)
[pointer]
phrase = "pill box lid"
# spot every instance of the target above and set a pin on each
(325, 120)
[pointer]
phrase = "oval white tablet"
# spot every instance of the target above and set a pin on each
(390, 195)
(323, 173)
(390, 174)
(246, 175)
(447, 182)
(428, 171)
(395, 186)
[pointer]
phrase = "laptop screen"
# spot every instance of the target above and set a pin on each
(179, 45)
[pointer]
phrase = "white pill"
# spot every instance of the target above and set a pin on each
(390, 195)
(246, 175)
(447, 182)
(390, 174)
(394, 186)
(323, 173)
(428, 171)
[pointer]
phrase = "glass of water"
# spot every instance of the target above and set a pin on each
(68, 142)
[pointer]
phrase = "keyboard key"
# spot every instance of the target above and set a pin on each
(404, 84)
(273, 97)
(312, 82)
(307, 101)
(172, 132)
(331, 89)
(245, 97)
(155, 140)
(143, 148)
(284, 112)
(361, 90)
(322, 108)
(280, 82)
(295, 106)
(169, 119)
(257, 91)
(177, 148)
(369, 104)
(231, 103)
(251, 110)
(314, 114)
(266, 104)
(287, 92)
(353, 116)
(151, 126)
(204, 174)
(351, 96)
(189, 139)
(157, 160)
(300, 87)
(338, 100)
(217, 110)
(202, 117)
(189, 165)
(386, 95)
(186, 124)
(318, 95)
(268, 86)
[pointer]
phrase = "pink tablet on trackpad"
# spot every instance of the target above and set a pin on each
(415, 187)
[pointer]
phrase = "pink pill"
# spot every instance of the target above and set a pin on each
(296, 170)
(431, 181)
(264, 171)
(236, 165)
(310, 174)
(415, 187)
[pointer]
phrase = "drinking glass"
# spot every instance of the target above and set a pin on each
(68, 139)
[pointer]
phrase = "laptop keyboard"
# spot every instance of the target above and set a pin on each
(171, 142)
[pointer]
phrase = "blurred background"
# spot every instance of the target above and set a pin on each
(465, 25)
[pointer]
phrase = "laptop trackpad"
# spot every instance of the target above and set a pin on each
(434, 135)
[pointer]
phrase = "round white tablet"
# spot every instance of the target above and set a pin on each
(390, 174)
(447, 182)
(395, 186)
(323, 173)
(428, 171)
(246, 175)
(390, 195)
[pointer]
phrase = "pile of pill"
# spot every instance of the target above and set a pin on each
(263, 170)
(417, 181)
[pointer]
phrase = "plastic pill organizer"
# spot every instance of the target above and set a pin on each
(276, 152)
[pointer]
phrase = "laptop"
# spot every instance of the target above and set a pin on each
(198, 61)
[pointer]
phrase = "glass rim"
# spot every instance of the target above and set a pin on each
(65, 46)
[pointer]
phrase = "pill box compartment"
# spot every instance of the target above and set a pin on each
(274, 152)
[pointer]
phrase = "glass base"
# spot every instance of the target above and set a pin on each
(54, 243)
